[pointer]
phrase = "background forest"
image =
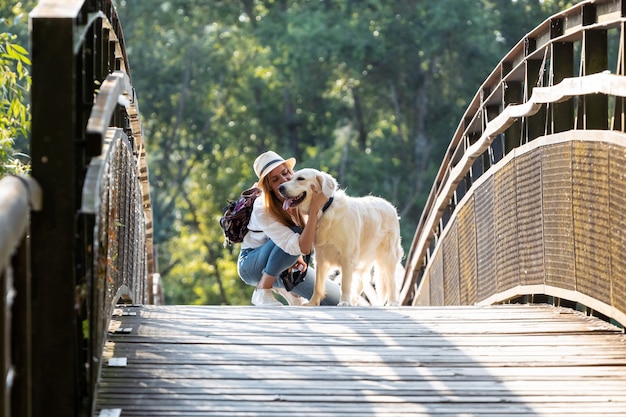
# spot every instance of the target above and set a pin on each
(368, 90)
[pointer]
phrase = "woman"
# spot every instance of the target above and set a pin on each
(278, 238)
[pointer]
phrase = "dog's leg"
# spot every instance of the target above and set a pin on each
(347, 269)
(396, 272)
(386, 281)
(319, 291)
(398, 278)
(362, 289)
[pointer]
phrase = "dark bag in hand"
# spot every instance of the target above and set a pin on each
(292, 277)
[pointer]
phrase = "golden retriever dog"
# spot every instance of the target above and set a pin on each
(355, 234)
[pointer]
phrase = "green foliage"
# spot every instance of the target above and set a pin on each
(14, 110)
(15, 18)
(14, 86)
(370, 91)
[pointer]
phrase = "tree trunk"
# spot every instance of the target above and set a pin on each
(358, 113)
(291, 123)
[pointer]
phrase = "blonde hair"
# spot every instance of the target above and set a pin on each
(275, 206)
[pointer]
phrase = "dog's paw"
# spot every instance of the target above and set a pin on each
(312, 303)
(344, 304)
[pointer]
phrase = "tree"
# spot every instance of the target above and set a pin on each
(14, 110)
(369, 90)
(15, 82)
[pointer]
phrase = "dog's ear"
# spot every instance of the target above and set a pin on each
(327, 184)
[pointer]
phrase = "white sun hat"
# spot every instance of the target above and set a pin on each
(266, 162)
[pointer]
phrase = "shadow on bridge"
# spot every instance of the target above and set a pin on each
(208, 360)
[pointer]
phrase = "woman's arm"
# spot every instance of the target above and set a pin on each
(283, 236)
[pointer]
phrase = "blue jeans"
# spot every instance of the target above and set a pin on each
(272, 260)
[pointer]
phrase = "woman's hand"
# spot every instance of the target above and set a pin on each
(300, 265)
(317, 200)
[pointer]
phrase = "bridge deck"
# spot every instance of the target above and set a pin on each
(295, 361)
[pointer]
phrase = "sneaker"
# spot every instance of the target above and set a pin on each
(291, 298)
(264, 297)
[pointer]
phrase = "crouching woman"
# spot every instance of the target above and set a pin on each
(278, 238)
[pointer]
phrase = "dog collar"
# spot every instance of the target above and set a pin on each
(328, 203)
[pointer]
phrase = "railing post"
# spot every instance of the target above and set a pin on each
(513, 94)
(536, 124)
(563, 67)
(596, 60)
(56, 164)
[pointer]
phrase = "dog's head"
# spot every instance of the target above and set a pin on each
(298, 190)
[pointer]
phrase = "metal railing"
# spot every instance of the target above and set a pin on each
(91, 242)
(528, 199)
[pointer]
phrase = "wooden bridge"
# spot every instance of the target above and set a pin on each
(514, 298)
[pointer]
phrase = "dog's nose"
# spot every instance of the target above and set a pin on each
(281, 188)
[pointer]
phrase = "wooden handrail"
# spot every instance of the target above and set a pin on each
(18, 195)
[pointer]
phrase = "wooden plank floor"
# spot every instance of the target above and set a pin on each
(363, 361)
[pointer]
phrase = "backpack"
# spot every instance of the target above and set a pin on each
(236, 216)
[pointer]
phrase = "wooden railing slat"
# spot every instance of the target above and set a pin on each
(18, 196)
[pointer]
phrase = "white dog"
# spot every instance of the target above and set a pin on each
(353, 233)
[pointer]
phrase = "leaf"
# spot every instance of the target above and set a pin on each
(11, 52)
(26, 60)
(14, 109)
(20, 49)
